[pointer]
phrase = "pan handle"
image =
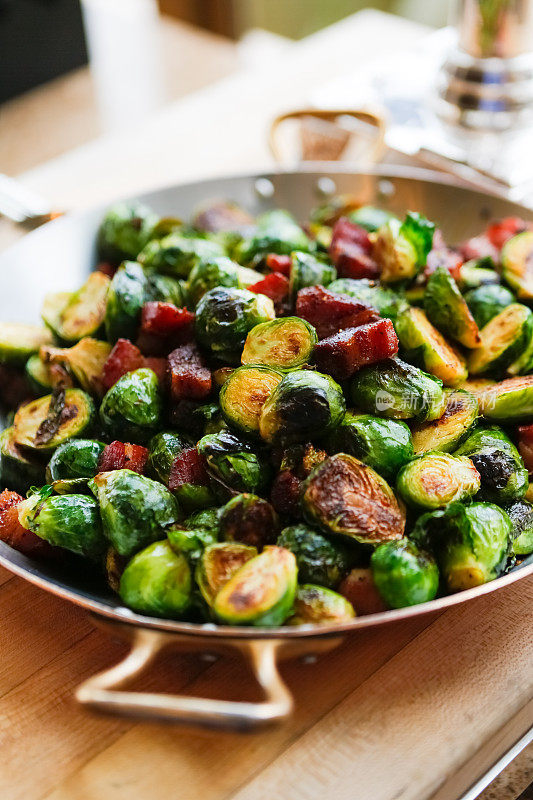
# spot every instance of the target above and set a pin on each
(103, 692)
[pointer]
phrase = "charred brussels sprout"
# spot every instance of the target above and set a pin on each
(398, 390)
(386, 301)
(383, 444)
(44, 424)
(124, 231)
(447, 309)
(217, 564)
(370, 217)
(404, 574)
(277, 232)
(307, 270)
(521, 516)
(85, 362)
(210, 273)
(319, 560)
(195, 534)
(17, 470)
(261, 592)
(303, 405)
(232, 462)
(77, 458)
(40, 377)
(176, 255)
(436, 479)
(132, 407)
(127, 295)
(225, 316)
(347, 498)
(18, 342)
(503, 340)
(157, 581)
(250, 520)
(284, 344)
(473, 275)
(500, 466)
(244, 394)
(447, 432)
(135, 510)
(82, 313)
(395, 253)
(166, 289)
(418, 337)
(315, 605)
(163, 449)
(508, 401)
(517, 256)
(486, 302)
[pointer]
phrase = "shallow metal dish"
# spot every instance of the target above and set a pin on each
(58, 257)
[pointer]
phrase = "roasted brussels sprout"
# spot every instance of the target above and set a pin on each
(135, 510)
(210, 273)
(42, 378)
(447, 432)
(370, 217)
(82, 313)
(386, 301)
(176, 255)
(17, 470)
(404, 574)
(395, 253)
(124, 231)
(436, 479)
(163, 449)
(244, 394)
(248, 519)
(304, 405)
(319, 560)
(308, 270)
(166, 290)
(285, 344)
(77, 458)
(418, 337)
(233, 463)
(508, 401)
(261, 592)
(193, 537)
(131, 409)
(217, 564)
(521, 515)
(347, 498)
(470, 542)
(70, 521)
(486, 302)
(225, 316)
(503, 340)
(500, 466)
(277, 232)
(49, 421)
(85, 361)
(472, 275)
(315, 605)
(126, 297)
(398, 390)
(517, 254)
(18, 341)
(157, 581)
(383, 444)
(447, 309)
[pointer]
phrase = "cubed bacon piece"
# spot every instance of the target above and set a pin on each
(478, 247)
(275, 286)
(123, 455)
(329, 312)
(285, 493)
(167, 320)
(500, 232)
(189, 377)
(441, 255)
(279, 263)
(107, 268)
(12, 532)
(187, 467)
(347, 351)
(159, 366)
(123, 358)
(525, 445)
(351, 251)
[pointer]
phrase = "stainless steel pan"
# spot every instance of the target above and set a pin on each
(57, 257)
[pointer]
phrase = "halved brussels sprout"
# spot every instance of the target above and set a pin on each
(261, 592)
(308, 270)
(166, 290)
(386, 301)
(414, 295)
(157, 581)
(126, 297)
(383, 444)
(114, 566)
(304, 405)
(131, 409)
(447, 432)
(508, 401)
(163, 449)
(44, 377)
(348, 498)
(84, 312)
(135, 510)
(49, 421)
(370, 217)
(224, 316)
(404, 574)
(503, 340)
(395, 253)
(176, 255)
(470, 542)
(517, 260)
(286, 343)
(17, 470)
(217, 564)
(85, 361)
(248, 519)
(315, 605)
(124, 231)
(319, 560)
(447, 309)
(398, 390)
(436, 479)
(192, 539)
(487, 301)
(524, 363)
(70, 521)
(471, 275)
(416, 333)
(232, 462)
(277, 232)
(77, 458)
(19, 341)
(244, 394)
(502, 471)
(521, 516)
(210, 273)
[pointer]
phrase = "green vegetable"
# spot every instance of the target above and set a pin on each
(248, 519)
(447, 309)
(277, 232)
(85, 361)
(157, 581)
(244, 394)
(19, 341)
(319, 560)
(225, 316)
(261, 592)
(472, 275)
(210, 273)
(233, 463)
(370, 217)
(503, 340)
(82, 313)
(176, 254)
(508, 401)
(17, 470)
(39, 376)
(383, 444)
(315, 605)
(486, 302)
(303, 405)
(126, 297)
(447, 432)
(404, 574)
(436, 479)
(308, 270)
(124, 231)
(199, 530)
(417, 334)
(517, 260)
(285, 344)
(76, 458)
(386, 301)
(217, 564)
(166, 289)
(521, 516)
(163, 449)
(398, 390)
(347, 498)
(396, 254)
(42, 424)
(500, 466)
(135, 510)
(131, 409)
(418, 230)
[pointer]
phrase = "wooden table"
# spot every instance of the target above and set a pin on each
(410, 712)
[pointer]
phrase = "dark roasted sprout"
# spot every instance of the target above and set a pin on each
(267, 421)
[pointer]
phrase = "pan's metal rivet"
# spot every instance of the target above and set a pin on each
(386, 188)
(326, 187)
(264, 188)
(310, 659)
